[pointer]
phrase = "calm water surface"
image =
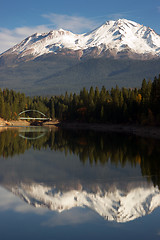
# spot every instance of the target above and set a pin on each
(61, 184)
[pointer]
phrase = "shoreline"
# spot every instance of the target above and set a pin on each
(23, 123)
(138, 130)
(14, 123)
(142, 131)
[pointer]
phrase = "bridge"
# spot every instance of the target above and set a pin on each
(44, 118)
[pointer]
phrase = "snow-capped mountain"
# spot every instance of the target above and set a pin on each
(114, 38)
(64, 61)
(113, 205)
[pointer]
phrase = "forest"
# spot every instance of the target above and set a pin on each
(132, 105)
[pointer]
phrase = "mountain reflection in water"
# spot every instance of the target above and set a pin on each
(117, 176)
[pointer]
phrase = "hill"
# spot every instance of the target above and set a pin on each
(54, 75)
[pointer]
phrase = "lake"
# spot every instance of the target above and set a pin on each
(78, 184)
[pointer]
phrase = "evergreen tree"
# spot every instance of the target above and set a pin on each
(155, 95)
(144, 90)
(2, 106)
(84, 96)
(91, 97)
(96, 96)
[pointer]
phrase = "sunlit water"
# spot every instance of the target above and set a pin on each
(61, 184)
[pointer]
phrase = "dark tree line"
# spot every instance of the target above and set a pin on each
(115, 106)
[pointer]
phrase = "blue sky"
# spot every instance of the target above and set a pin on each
(19, 19)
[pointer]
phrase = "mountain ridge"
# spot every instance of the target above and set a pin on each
(59, 61)
(113, 205)
(113, 38)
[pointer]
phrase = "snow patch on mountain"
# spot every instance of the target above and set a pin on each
(39, 44)
(116, 205)
(121, 36)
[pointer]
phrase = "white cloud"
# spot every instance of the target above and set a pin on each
(9, 38)
(8, 201)
(71, 217)
(75, 24)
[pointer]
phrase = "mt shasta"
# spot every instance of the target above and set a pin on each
(114, 38)
(119, 52)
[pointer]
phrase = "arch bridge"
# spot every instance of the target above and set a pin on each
(44, 118)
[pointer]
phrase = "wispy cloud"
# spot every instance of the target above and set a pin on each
(116, 16)
(71, 217)
(75, 24)
(158, 8)
(8, 38)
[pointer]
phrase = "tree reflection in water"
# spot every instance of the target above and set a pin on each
(91, 147)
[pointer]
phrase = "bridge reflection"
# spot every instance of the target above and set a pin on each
(40, 132)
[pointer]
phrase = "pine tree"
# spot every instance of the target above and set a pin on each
(84, 96)
(91, 96)
(103, 95)
(2, 106)
(66, 98)
(144, 90)
(155, 95)
(102, 113)
(52, 109)
(96, 96)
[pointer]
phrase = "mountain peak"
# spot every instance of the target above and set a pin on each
(122, 21)
(120, 38)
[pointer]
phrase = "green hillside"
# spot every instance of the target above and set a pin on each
(54, 75)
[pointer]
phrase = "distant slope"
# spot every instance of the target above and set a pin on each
(52, 74)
